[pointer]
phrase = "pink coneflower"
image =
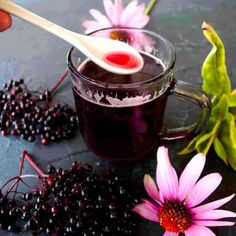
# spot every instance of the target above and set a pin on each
(176, 201)
(116, 15)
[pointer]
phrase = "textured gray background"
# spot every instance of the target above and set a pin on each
(26, 51)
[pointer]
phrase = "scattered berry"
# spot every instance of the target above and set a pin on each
(29, 114)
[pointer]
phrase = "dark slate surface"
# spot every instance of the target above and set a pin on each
(26, 51)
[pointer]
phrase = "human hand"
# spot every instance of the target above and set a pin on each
(5, 20)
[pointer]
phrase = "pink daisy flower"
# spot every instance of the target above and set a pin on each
(116, 15)
(176, 201)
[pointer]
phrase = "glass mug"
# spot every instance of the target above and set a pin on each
(121, 117)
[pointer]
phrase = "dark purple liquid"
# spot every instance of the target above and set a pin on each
(126, 133)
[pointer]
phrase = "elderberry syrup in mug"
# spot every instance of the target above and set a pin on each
(120, 125)
(121, 116)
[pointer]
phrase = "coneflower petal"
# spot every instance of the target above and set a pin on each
(213, 223)
(196, 230)
(139, 22)
(146, 211)
(170, 234)
(93, 25)
(190, 175)
(203, 189)
(166, 177)
(119, 10)
(99, 17)
(212, 205)
(116, 15)
(214, 215)
(109, 9)
(152, 204)
(128, 12)
(151, 188)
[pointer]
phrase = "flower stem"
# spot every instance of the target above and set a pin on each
(150, 7)
(213, 136)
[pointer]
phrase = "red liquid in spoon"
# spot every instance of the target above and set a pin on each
(123, 60)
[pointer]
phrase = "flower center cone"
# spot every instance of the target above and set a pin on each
(174, 217)
(120, 35)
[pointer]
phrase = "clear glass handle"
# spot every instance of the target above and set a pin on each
(198, 97)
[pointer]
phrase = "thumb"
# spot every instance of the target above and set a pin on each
(5, 20)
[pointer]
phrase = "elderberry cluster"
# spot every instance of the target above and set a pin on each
(29, 114)
(73, 202)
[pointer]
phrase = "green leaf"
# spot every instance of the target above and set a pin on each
(214, 73)
(202, 143)
(232, 110)
(220, 129)
(215, 100)
(228, 138)
(220, 151)
(232, 98)
(220, 110)
(190, 147)
(200, 138)
(210, 124)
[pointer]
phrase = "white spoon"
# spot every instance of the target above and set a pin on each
(112, 55)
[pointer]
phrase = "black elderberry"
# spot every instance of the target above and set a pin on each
(51, 169)
(34, 115)
(31, 139)
(48, 230)
(27, 196)
(10, 228)
(25, 215)
(74, 202)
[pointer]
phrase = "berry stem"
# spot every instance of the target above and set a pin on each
(8, 181)
(26, 156)
(29, 176)
(63, 76)
(19, 174)
(27, 185)
(14, 185)
(21, 163)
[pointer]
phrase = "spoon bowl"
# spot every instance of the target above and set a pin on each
(112, 55)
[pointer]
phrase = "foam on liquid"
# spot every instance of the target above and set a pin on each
(88, 69)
